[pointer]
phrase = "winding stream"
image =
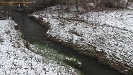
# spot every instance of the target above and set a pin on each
(35, 33)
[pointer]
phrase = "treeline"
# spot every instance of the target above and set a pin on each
(86, 4)
(95, 4)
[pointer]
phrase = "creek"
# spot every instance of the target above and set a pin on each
(35, 33)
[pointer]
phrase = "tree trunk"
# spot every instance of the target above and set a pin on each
(77, 5)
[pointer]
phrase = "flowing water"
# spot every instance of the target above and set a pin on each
(35, 33)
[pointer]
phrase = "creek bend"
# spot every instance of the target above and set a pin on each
(35, 33)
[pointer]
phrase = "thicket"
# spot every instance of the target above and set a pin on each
(95, 4)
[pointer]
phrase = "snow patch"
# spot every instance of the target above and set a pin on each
(16, 59)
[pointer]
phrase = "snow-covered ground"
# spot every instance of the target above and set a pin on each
(111, 32)
(16, 59)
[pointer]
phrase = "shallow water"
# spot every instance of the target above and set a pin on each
(35, 33)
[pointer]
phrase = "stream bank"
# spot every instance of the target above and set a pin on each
(89, 65)
(108, 42)
(17, 59)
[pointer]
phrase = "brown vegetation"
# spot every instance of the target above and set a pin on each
(95, 4)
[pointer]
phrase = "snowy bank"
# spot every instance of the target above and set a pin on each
(16, 59)
(107, 35)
